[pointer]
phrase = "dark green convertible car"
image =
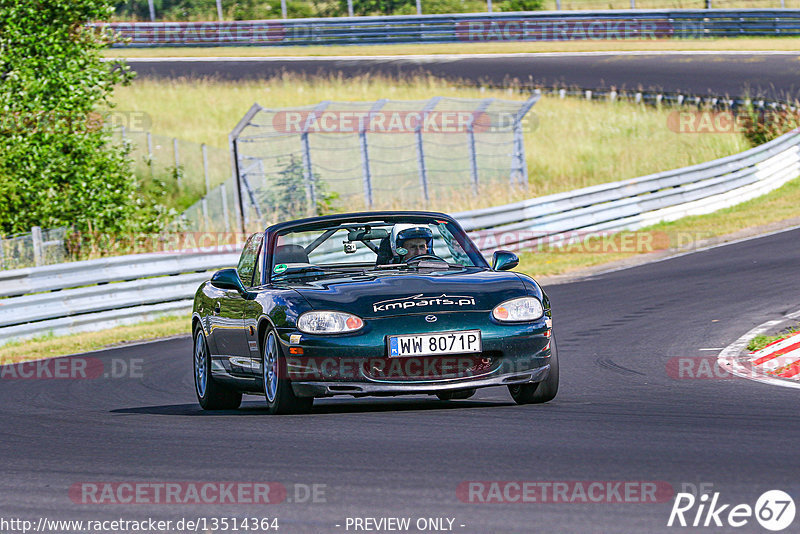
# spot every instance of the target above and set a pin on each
(380, 303)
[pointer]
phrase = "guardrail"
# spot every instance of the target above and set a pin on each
(468, 27)
(102, 293)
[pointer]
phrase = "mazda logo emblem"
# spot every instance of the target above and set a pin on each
(430, 318)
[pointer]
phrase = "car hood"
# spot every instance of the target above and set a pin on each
(394, 293)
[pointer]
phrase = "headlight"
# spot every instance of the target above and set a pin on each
(519, 309)
(328, 322)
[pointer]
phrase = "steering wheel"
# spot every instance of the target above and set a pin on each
(423, 257)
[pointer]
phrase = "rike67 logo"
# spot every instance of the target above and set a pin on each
(774, 510)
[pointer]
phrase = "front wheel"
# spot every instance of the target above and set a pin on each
(543, 391)
(210, 394)
(278, 390)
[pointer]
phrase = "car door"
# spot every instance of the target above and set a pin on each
(230, 335)
(252, 313)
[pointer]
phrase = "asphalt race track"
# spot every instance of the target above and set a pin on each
(766, 75)
(618, 417)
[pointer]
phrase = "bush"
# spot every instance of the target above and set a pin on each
(521, 5)
(763, 125)
(59, 166)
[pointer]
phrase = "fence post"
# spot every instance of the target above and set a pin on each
(233, 144)
(419, 7)
(36, 237)
(177, 161)
(423, 171)
(225, 207)
(519, 169)
(150, 153)
(204, 150)
(308, 173)
(250, 194)
(238, 178)
(362, 137)
(489, 6)
(473, 156)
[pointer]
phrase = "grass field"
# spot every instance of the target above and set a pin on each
(788, 44)
(49, 346)
(569, 143)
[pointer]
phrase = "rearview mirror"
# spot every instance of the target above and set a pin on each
(229, 279)
(503, 260)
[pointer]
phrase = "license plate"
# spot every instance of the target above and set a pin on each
(461, 342)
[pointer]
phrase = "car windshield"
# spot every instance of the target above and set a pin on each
(373, 246)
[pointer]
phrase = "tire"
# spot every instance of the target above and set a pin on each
(456, 395)
(539, 392)
(210, 394)
(277, 390)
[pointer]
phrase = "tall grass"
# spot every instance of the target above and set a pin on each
(574, 143)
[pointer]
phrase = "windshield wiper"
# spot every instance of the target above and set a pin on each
(419, 264)
(308, 269)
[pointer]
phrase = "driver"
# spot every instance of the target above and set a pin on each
(408, 241)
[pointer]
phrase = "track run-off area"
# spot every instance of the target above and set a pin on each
(624, 436)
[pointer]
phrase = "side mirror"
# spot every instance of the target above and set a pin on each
(503, 260)
(229, 279)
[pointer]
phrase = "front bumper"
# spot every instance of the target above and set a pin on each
(359, 365)
(328, 389)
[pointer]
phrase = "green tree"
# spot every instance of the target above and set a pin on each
(286, 197)
(59, 165)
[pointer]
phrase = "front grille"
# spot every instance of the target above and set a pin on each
(427, 368)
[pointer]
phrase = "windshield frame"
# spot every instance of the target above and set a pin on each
(343, 220)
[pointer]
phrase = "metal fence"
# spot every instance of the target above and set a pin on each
(38, 247)
(365, 155)
(144, 290)
(188, 170)
(209, 13)
(473, 27)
